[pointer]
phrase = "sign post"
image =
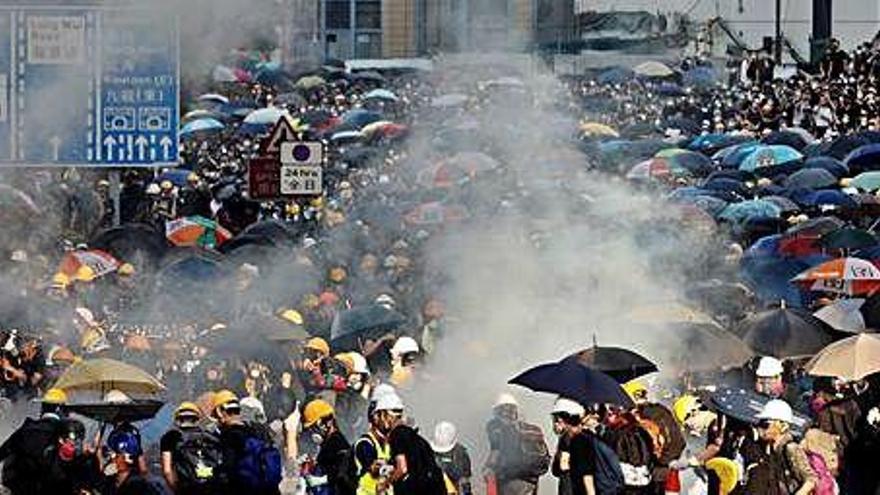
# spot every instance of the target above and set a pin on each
(88, 85)
(289, 167)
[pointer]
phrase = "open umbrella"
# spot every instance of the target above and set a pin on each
(118, 412)
(656, 169)
(653, 69)
(87, 265)
(381, 94)
(363, 321)
(756, 208)
(848, 238)
(864, 158)
(769, 156)
(867, 181)
(573, 380)
(359, 118)
(785, 332)
(196, 231)
(745, 405)
(828, 163)
(202, 126)
(309, 83)
(598, 130)
(850, 359)
(844, 315)
(621, 364)
(787, 138)
(851, 276)
(810, 178)
(103, 375)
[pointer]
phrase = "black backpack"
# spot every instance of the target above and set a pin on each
(530, 458)
(198, 458)
(425, 475)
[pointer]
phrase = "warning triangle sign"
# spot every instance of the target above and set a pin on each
(284, 131)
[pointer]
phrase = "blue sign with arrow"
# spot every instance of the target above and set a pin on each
(88, 85)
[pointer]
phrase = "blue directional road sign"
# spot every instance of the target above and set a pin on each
(88, 85)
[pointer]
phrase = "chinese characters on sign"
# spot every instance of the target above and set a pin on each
(56, 39)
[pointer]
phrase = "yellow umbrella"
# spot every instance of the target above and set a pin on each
(851, 359)
(108, 374)
(310, 82)
(595, 129)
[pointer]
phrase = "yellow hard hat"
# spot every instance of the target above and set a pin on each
(311, 301)
(85, 274)
(90, 337)
(292, 316)
(60, 280)
(292, 209)
(166, 184)
(189, 407)
(727, 471)
(55, 396)
(337, 274)
(318, 344)
(346, 359)
(316, 411)
(684, 406)
(224, 397)
(635, 388)
(317, 202)
(125, 269)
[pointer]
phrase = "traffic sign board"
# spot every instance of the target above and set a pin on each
(88, 85)
(304, 153)
(301, 180)
(285, 130)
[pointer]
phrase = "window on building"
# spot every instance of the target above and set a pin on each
(338, 14)
(369, 14)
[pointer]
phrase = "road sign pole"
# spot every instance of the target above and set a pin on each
(115, 193)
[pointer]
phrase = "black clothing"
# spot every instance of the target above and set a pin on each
(330, 459)
(582, 461)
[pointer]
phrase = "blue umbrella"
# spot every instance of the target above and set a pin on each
(738, 175)
(826, 197)
(770, 156)
(701, 76)
(726, 184)
(864, 158)
(738, 153)
(574, 381)
(670, 89)
(715, 141)
(381, 94)
(739, 212)
(204, 125)
(175, 175)
(710, 204)
(811, 178)
(785, 205)
(615, 75)
(833, 165)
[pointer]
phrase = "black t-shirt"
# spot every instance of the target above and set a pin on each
(136, 484)
(582, 461)
(330, 457)
(170, 440)
(405, 441)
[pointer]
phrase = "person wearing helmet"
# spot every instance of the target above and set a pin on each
(453, 457)
(126, 471)
(415, 470)
(251, 463)
(668, 441)
(768, 377)
(191, 455)
(518, 454)
(404, 354)
(372, 454)
(575, 460)
(774, 430)
(319, 418)
(26, 466)
(319, 371)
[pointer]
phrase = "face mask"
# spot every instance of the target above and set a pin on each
(67, 450)
(317, 438)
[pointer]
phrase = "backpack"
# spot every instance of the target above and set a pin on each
(348, 478)
(609, 477)
(427, 478)
(260, 466)
(531, 459)
(632, 444)
(198, 458)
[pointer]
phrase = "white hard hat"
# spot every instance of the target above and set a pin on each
(568, 406)
(445, 437)
(777, 410)
(360, 363)
(389, 402)
(506, 399)
(768, 367)
(153, 189)
(385, 300)
(85, 314)
(382, 390)
(254, 406)
(404, 345)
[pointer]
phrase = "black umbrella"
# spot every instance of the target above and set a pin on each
(621, 364)
(131, 241)
(114, 413)
(785, 332)
(811, 178)
(574, 381)
(816, 226)
(848, 238)
(836, 167)
(744, 406)
(369, 76)
(363, 322)
(786, 138)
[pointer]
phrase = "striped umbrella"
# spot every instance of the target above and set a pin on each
(851, 276)
(196, 231)
(87, 265)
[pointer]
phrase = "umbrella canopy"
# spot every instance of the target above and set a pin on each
(848, 238)
(851, 276)
(360, 118)
(756, 208)
(87, 265)
(785, 332)
(369, 76)
(108, 374)
(843, 315)
(785, 205)
(816, 227)
(309, 83)
(598, 130)
(204, 125)
(196, 231)
(735, 155)
(826, 197)
(295, 100)
(213, 98)
(769, 156)
(828, 163)
(615, 75)
(850, 359)
(745, 405)
(381, 94)
(867, 181)
(362, 322)
(574, 381)
(810, 178)
(656, 168)
(621, 364)
(865, 157)
(786, 138)
(653, 69)
(265, 116)
(115, 413)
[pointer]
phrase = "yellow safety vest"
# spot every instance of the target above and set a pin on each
(368, 484)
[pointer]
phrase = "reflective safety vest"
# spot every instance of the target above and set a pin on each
(369, 484)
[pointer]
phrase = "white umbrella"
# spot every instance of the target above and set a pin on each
(844, 315)
(850, 359)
